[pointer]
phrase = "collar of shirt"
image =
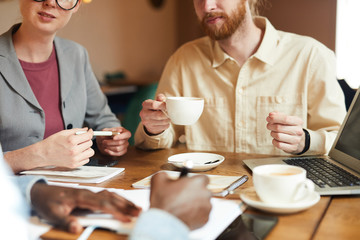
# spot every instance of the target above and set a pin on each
(265, 51)
(270, 41)
(219, 56)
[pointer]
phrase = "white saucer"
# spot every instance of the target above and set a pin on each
(200, 160)
(250, 197)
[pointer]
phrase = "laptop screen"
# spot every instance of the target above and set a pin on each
(349, 139)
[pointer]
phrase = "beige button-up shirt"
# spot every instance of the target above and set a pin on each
(289, 73)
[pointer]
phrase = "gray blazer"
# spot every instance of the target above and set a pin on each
(22, 120)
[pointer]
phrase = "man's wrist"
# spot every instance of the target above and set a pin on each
(307, 142)
(151, 134)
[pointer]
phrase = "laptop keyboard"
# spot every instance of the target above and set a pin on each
(324, 173)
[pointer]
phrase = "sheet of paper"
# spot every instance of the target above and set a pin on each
(217, 182)
(138, 197)
(61, 184)
(223, 213)
(83, 174)
(37, 228)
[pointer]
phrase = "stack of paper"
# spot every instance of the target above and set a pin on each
(84, 174)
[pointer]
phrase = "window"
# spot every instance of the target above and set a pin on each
(348, 41)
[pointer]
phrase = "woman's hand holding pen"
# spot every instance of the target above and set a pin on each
(65, 149)
(116, 145)
(186, 198)
(62, 149)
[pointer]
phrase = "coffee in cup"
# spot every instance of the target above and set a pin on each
(184, 110)
(280, 183)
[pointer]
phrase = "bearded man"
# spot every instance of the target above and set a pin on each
(265, 91)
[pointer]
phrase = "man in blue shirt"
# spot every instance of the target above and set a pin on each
(176, 206)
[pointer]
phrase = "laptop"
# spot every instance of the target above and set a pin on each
(337, 173)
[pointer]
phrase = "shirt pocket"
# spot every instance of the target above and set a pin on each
(293, 105)
(210, 131)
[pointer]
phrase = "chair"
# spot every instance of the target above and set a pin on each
(348, 92)
(131, 117)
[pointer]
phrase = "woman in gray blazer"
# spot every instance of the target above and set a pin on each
(48, 92)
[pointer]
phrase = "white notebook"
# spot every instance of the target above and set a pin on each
(83, 174)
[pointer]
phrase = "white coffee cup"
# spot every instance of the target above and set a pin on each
(184, 110)
(280, 183)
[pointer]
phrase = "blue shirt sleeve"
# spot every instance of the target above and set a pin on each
(160, 225)
(25, 183)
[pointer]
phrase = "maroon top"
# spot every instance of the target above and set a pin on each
(44, 81)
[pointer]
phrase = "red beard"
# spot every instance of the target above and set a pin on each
(230, 25)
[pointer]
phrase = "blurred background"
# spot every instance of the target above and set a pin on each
(137, 38)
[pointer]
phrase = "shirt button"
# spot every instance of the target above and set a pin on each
(279, 99)
(182, 139)
(69, 126)
(240, 124)
(241, 90)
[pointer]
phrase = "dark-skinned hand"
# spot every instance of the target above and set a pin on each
(186, 198)
(55, 204)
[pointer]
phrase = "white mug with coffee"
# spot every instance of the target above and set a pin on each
(281, 184)
(184, 110)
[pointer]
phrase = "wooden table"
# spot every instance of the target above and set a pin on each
(330, 218)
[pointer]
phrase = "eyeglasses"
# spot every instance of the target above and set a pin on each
(64, 4)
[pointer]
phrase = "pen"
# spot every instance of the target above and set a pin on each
(100, 133)
(186, 168)
(232, 187)
(184, 172)
(87, 232)
(214, 161)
